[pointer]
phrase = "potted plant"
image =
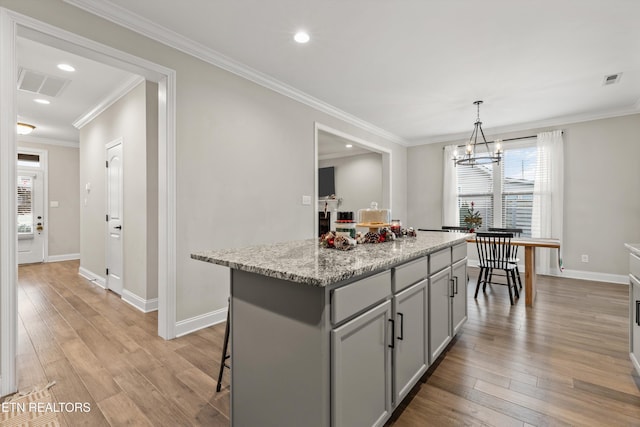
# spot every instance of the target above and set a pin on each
(472, 218)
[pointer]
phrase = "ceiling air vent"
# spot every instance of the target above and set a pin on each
(40, 83)
(612, 79)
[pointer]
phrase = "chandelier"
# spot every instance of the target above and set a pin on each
(471, 155)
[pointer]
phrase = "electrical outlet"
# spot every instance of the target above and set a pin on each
(585, 258)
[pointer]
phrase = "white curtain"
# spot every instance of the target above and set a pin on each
(546, 221)
(450, 211)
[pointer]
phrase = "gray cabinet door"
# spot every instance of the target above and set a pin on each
(459, 307)
(634, 332)
(440, 291)
(411, 346)
(361, 369)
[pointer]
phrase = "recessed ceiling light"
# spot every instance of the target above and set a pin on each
(66, 67)
(42, 101)
(348, 145)
(301, 37)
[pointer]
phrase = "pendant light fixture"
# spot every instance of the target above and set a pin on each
(24, 128)
(471, 155)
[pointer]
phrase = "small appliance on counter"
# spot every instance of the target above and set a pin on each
(374, 218)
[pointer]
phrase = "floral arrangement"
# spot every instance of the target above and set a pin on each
(345, 243)
(472, 218)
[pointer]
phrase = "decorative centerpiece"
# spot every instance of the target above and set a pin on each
(374, 218)
(472, 218)
(344, 242)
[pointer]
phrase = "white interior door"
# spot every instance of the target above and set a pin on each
(114, 216)
(31, 224)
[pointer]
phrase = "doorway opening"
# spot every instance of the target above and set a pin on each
(362, 160)
(32, 202)
(11, 24)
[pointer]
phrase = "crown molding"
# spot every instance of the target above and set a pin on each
(556, 121)
(111, 99)
(120, 16)
(47, 141)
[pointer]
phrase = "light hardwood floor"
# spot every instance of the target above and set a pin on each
(565, 362)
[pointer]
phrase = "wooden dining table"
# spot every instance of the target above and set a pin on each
(530, 244)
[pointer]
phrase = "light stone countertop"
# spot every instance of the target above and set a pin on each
(305, 262)
(634, 248)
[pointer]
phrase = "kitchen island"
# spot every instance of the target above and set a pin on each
(323, 337)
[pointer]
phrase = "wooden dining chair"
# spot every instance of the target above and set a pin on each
(494, 250)
(517, 232)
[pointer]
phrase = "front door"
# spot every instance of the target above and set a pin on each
(114, 216)
(31, 224)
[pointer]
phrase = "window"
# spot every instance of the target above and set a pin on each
(502, 193)
(25, 205)
(29, 160)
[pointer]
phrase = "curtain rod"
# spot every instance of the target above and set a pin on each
(504, 140)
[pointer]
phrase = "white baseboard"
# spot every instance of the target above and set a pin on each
(92, 277)
(64, 257)
(144, 305)
(193, 324)
(622, 279)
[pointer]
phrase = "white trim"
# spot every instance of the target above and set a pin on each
(141, 25)
(144, 305)
(30, 139)
(521, 127)
(8, 234)
(622, 279)
(111, 99)
(387, 193)
(196, 323)
(63, 257)
(93, 277)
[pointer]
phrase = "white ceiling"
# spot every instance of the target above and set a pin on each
(410, 67)
(414, 67)
(90, 85)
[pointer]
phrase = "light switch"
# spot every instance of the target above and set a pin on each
(54, 204)
(306, 200)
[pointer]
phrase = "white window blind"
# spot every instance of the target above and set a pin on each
(502, 193)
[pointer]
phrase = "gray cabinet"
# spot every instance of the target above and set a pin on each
(361, 369)
(634, 311)
(447, 297)
(440, 330)
(411, 356)
(459, 300)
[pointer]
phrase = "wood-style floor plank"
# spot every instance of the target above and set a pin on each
(564, 362)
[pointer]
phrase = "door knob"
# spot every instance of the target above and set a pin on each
(118, 227)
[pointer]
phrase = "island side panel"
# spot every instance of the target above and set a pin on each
(280, 352)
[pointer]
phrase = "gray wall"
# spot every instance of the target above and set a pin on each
(127, 119)
(245, 156)
(358, 180)
(601, 207)
(64, 175)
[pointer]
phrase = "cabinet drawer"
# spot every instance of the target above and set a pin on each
(634, 265)
(458, 252)
(354, 297)
(412, 272)
(439, 260)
